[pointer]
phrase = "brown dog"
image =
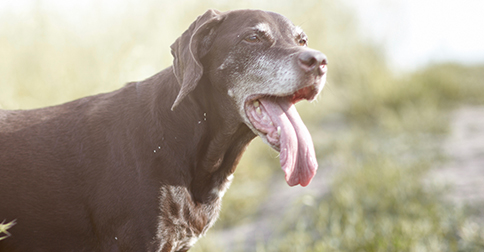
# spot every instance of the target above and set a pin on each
(143, 168)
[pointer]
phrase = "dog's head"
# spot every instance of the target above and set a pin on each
(261, 61)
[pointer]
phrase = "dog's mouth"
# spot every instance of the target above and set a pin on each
(277, 121)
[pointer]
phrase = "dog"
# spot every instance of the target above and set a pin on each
(144, 168)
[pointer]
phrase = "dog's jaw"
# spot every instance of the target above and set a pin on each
(276, 121)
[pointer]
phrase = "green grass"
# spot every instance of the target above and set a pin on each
(377, 203)
(4, 227)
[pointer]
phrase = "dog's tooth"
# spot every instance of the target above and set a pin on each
(278, 130)
(258, 110)
(271, 123)
(256, 103)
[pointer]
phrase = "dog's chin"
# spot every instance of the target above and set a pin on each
(275, 119)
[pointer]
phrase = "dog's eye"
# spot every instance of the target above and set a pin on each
(302, 42)
(252, 38)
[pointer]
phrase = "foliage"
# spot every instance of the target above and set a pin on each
(379, 205)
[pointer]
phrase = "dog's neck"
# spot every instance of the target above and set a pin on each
(213, 175)
(227, 139)
(217, 143)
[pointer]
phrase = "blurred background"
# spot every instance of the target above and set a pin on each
(398, 129)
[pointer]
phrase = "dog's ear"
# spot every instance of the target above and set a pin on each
(189, 48)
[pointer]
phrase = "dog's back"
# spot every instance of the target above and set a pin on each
(43, 180)
(57, 166)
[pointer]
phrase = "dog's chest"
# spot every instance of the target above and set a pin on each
(182, 221)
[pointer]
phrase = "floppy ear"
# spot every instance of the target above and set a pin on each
(189, 48)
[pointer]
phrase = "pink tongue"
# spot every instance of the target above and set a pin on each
(297, 156)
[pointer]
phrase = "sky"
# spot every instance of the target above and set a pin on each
(419, 32)
(413, 33)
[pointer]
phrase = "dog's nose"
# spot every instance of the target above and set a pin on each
(311, 60)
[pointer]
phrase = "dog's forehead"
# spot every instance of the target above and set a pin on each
(263, 21)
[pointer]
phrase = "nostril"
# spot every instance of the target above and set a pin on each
(311, 63)
(323, 65)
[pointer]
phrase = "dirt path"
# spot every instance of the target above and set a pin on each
(464, 172)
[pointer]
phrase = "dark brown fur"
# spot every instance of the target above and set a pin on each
(121, 171)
